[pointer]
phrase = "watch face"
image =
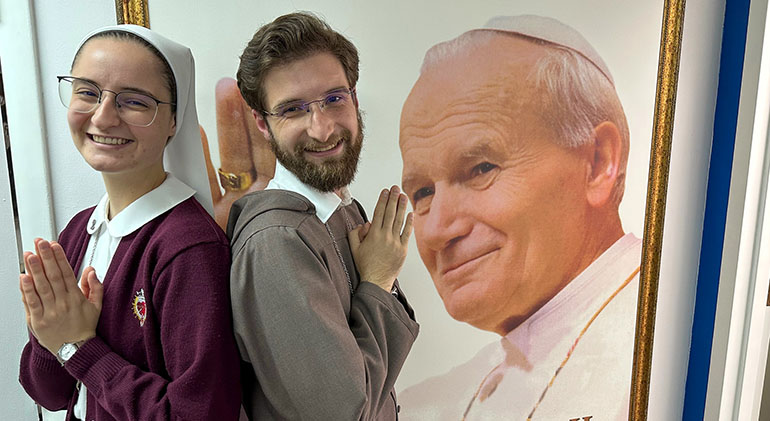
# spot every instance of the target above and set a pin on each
(67, 351)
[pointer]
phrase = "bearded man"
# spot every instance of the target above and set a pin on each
(321, 324)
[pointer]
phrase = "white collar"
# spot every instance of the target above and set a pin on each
(576, 301)
(142, 210)
(325, 203)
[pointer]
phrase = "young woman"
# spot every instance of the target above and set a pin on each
(147, 334)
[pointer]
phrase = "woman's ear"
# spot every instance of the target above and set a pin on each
(171, 129)
(604, 159)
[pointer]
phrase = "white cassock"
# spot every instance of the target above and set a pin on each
(509, 377)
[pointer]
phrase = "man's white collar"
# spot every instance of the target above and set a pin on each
(325, 203)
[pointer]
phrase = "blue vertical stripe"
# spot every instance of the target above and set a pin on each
(717, 194)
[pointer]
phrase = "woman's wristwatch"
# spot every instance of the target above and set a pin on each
(67, 350)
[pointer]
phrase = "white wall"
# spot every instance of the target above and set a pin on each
(741, 338)
(36, 42)
(60, 27)
(693, 127)
(14, 401)
(17, 57)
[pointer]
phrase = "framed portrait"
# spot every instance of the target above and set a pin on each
(548, 127)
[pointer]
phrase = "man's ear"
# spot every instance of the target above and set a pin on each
(604, 158)
(261, 124)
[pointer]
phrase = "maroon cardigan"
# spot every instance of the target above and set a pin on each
(181, 361)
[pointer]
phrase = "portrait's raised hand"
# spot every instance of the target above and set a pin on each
(247, 161)
(379, 247)
(57, 310)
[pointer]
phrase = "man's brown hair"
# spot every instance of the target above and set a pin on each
(286, 39)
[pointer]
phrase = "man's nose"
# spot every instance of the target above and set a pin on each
(106, 113)
(321, 125)
(446, 220)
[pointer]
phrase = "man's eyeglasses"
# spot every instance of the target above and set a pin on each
(333, 101)
(82, 96)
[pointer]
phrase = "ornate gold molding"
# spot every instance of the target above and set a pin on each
(660, 157)
(133, 11)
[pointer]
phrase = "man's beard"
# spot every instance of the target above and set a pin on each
(332, 173)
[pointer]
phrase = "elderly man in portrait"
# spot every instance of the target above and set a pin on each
(515, 146)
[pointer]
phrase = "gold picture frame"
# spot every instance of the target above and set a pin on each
(133, 12)
(657, 186)
(136, 12)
